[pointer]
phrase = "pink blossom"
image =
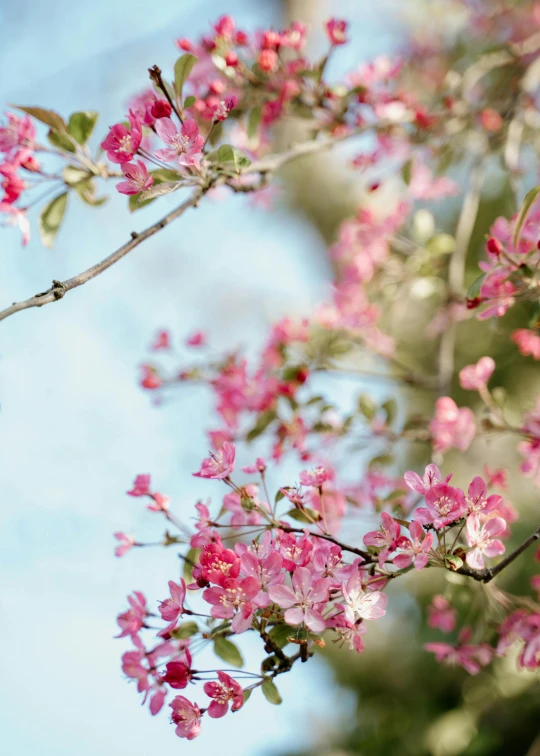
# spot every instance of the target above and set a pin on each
(498, 290)
(476, 377)
(186, 716)
(267, 572)
(173, 607)
(425, 186)
(445, 504)
(315, 477)
(223, 692)
(348, 632)
(141, 486)
(432, 476)
(125, 544)
(161, 341)
(452, 426)
(131, 621)
(441, 614)
(218, 564)
(300, 601)
(220, 111)
(198, 338)
(528, 342)
(259, 466)
(477, 500)
(498, 478)
(471, 658)
(160, 503)
(359, 604)
(233, 600)
(482, 540)
(19, 131)
(385, 538)
(219, 465)
(179, 673)
(336, 30)
(328, 563)
(19, 217)
(414, 550)
(295, 552)
(137, 178)
(122, 143)
(184, 146)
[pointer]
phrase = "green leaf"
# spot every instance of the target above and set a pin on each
(453, 562)
(473, 291)
(188, 102)
(406, 171)
(185, 631)
(247, 693)
(367, 406)
(191, 558)
(530, 197)
(50, 219)
(230, 156)
(271, 693)
(263, 421)
(304, 515)
(72, 174)
(382, 460)
(227, 651)
(279, 496)
(182, 69)
(86, 191)
(49, 117)
(280, 634)
(61, 141)
(81, 125)
(161, 175)
(390, 408)
(158, 190)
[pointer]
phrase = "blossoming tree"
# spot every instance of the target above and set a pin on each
(318, 558)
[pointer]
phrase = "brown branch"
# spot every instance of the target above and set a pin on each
(485, 576)
(343, 546)
(60, 288)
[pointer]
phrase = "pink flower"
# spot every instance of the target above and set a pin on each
(432, 476)
(445, 504)
(218, 564)
(295, 553)
(300, 600)
(233, 600)
(268, 60)
(452, 426)
(497, 478)
(336, 30)
(482, 540)
(186, 716)
(219, 465)
(137, 178)
(173, 607)
(415, 550)
(19, 131)
(196, 339)
(225, 691)
(141, 486)
(528, 342)
(360, 604)
(19, 217)
(131, 621)
(315, 477)
(125, 544)
(441, 614)
(179, 673)
(476, 377)
(160, 503)
(266, 571)
(497, 288)
(184, 146)
(259, 466)
(385, 538)
(471, 658)
(161, 341)
(122, 143)
(476, 497)
(221, 111)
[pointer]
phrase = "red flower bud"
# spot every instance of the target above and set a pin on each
(494, 246)
(161, 109)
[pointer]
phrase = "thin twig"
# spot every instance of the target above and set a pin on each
(485, 576)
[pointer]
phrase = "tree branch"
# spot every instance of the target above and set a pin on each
(485, 576)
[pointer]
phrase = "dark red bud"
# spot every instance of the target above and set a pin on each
(161, 109)
(494, 246)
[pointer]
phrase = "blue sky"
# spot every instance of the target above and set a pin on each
(75, 428)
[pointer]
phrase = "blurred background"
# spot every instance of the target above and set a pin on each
(76, 428)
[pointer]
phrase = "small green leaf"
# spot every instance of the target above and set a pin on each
(381, 460)
(185, 631)
(158, 190)
(473, 291)
(227, 651)
(263, 421)
(182, 69)
(49, 117)
(529, 200)
(367, 406)
(81, 125)
(279, 496)
(191, 558)
(161, 175)
(231, 156)
(247, 693)
(188, 102)
(280, 634)
(453, 562)
(61, 141)
(304, 515)
(390, 408)
(50, 219)
(271, 693)
(406, 171)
